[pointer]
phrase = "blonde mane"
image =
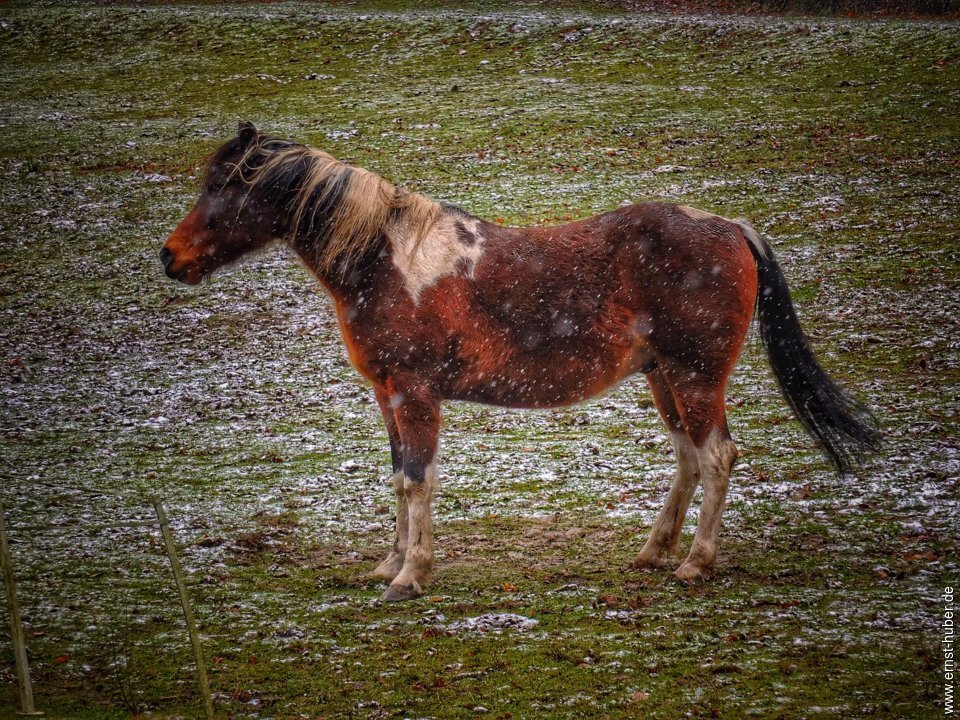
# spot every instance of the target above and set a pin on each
(358, 206)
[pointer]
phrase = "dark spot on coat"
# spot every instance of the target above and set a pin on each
(465, 236)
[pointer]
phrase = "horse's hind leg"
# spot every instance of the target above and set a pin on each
(665, 535)
(390, 567)
(704, 417)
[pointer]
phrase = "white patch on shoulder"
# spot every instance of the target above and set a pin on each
(440, 253)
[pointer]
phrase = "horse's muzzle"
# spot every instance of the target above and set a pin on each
(181, 275)
(166, 257)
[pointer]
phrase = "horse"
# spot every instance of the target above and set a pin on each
(436, 304)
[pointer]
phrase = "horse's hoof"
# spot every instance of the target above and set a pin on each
(386, 572)
(690, 574)
(388, 569)
(647, 562)
(399, 593)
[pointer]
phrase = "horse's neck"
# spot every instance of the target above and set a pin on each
(339, 281)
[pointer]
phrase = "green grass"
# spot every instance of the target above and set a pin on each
(838, 138)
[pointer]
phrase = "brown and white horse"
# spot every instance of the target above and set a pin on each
(435, 304)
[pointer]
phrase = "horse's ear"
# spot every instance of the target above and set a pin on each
(246, 131)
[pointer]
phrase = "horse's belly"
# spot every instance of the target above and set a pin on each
(551, 378)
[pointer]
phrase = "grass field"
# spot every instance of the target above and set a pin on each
(234, 400)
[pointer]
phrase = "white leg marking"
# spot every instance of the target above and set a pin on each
(418, 558)
(665, 535)
(716, 460)
(389, 568)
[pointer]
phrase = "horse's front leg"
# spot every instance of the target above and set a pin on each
(418, 420)
(390, 567)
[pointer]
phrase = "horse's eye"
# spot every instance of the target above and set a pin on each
(214, 189)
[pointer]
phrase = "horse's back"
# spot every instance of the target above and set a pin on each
(552, 315)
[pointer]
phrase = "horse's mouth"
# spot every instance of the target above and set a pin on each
(188, 274)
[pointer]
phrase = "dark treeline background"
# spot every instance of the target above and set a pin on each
(905, 8)
(857, 8)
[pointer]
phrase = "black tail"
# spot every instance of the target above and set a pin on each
(843, 428)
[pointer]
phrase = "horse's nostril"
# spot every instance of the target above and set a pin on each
(166, 257)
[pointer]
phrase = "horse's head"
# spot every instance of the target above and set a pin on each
(231, 217)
